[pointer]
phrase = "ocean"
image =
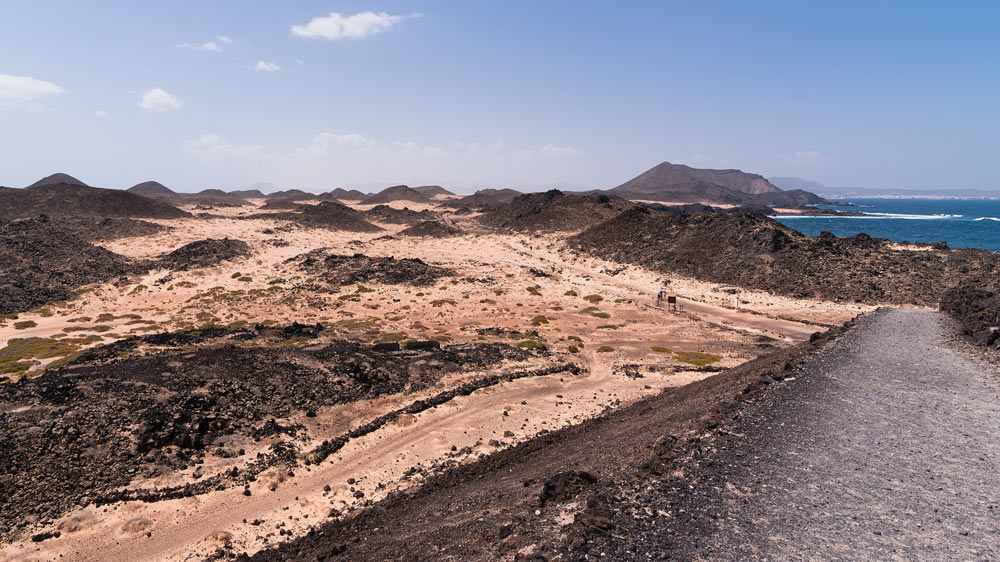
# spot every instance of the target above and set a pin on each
(962, 223)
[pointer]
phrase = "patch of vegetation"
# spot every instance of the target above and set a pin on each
(236, 275)
(138, 289)
(363, 289)
(535, 290)
(608, 327)
(13, 357)
(605, 349)
(603, 315)
(539, 320)
(573, 349)
(661, 349)
(696, 358)
(530, 344)
(570, 293)
(245, 279)
(100, 329)
(487, 301)
(593, 299)
(441, 302)
(577, 339)
(24, 324)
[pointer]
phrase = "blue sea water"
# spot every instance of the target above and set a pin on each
(962, 223)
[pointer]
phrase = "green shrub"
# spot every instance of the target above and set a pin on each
(605, 349)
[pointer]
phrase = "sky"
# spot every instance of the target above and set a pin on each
(468, 95)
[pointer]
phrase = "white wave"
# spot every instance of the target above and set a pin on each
(913, 217)
(987, 219)
(869, 216)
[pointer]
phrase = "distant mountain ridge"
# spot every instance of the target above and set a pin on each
(877, 192)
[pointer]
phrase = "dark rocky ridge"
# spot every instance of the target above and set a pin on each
(327, 214)
(338, 270)
(474, 201)
(977, 308)
(44, 261)
(430, 191)
(203, 253)
(396, 193)
(750, 250)
(505, 195)
(553, 211)
(432, 229)
(79, 200)
(391, 215)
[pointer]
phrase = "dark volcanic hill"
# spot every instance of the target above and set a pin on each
(160, 192)
(79, 200)
(501, 195)
(328, 214)
(248, 193)
(342, 194)
(753, 251)
(553, 210)
(396, 193)
(44, 261)
(203, 253)
(431, 229)
(430, 191)
(292, 194)
(153, 190)
(474, 201)
(387, 214)
(57, 179)
(683, 184)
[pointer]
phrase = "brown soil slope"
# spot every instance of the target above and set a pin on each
(754, 251)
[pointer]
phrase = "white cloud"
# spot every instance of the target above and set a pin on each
(224, 39)
(159, 101)
(553, 151)
(358, 26)
(210, 46)
(214, 147)
(265, 66)
(805, 158)
(331, 158)
(16, 90)
(100, 113)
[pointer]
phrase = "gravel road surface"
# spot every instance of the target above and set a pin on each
(887, 447)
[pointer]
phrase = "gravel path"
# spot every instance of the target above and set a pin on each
(887, 448)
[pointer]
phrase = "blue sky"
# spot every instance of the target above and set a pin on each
(497, 94)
